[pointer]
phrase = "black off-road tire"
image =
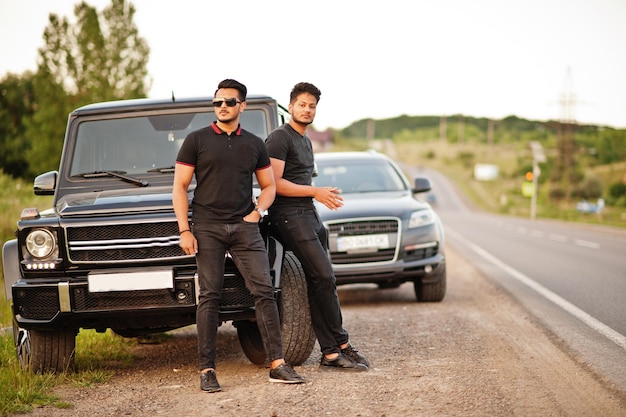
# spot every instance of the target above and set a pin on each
(45, 351)
(298, 338)
(295, 316)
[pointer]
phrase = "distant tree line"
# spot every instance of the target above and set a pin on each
(602, 143)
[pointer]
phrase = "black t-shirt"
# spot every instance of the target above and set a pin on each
(286, 144)
(224, 166)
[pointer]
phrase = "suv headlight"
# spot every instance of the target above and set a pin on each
(40, 243)
(421, 218)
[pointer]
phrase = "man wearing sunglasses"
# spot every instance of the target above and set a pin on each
(294, 218)
(224, 157)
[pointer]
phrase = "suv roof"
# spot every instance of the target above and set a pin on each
(144, 103)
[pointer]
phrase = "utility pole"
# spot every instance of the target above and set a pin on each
(370, 129)
(443, 128)
(490, 136)
(565, 136)
(538, 156)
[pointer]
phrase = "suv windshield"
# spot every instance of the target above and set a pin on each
(142, 144)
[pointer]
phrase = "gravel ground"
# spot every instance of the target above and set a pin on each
(477, 353)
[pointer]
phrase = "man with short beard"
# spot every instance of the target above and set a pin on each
(294, 219)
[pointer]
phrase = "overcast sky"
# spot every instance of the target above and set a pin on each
(379, 59)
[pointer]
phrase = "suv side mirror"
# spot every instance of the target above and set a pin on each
(421, 185)
(45, 184)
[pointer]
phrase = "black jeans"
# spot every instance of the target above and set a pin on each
(303, 232)
(245, 244)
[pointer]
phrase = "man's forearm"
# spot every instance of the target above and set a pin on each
(266, 198)
(181, 209)
(287, 188)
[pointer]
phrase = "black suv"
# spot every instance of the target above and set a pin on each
(106, 255)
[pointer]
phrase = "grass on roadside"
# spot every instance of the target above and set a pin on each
(22, 390)
(95, 354)
(96, 351)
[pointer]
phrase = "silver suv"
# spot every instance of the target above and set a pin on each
(382, 234)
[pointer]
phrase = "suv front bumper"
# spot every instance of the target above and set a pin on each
(427, 270)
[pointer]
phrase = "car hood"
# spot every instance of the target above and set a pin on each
(375, 204)
(111, 202)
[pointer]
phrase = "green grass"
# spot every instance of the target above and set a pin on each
(95, 351)
(5, 311)
(96, 354)
(21, 390)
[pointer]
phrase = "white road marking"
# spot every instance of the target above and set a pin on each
(557, 238)
(590, 321)
(586, 244)
(551, 236)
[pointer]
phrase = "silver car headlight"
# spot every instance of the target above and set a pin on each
(40, 243)
(421, 218)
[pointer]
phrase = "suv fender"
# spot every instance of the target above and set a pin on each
(11, 264)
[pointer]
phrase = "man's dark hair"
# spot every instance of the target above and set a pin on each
(304, 88)
(230, 83)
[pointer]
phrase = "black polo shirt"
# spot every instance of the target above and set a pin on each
(224, 166)
(286, 144)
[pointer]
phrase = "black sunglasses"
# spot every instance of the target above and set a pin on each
(230, 102)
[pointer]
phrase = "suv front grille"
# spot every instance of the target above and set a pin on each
(40, 303)
(123, 242)
(364, 227)
(235, 295)
(89, 301)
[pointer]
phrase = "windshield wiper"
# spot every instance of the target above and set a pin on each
(116, 174)
(163, 170)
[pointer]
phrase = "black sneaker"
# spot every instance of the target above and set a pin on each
(285, 374)
(354, 354)
(208, 382)
(341, 363)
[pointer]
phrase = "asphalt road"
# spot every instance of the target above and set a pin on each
(571, 276)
